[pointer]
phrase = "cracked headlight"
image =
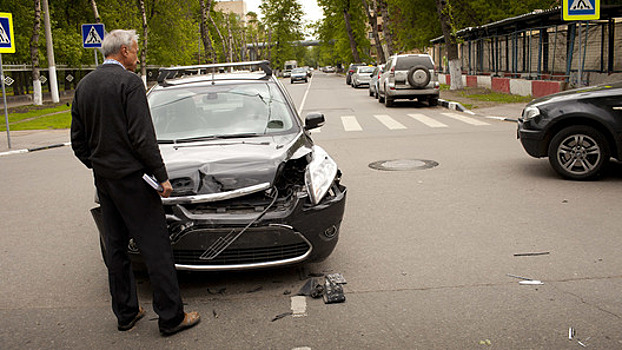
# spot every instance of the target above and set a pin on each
(320, 174)
(530, 112)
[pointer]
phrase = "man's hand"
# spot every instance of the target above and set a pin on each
(167, 189)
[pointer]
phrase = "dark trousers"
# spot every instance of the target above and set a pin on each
(132, 209)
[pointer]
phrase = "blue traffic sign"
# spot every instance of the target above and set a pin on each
(7, 41)
(580, 10)
(92, 35)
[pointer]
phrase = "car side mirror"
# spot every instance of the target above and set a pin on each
(314, 120)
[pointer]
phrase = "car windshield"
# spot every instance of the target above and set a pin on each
(219, 111)
(298, 70)
(366, 69)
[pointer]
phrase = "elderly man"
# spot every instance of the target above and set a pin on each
(112, 133)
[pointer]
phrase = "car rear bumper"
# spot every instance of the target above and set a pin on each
(397, 93)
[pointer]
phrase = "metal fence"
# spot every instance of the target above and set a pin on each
(541, 46)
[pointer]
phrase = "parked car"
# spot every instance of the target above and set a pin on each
(578, 130)
(329, 69)
(409, 76)
(299, 74)
(373, 82)
(351, 70)
(250, 188)
(361, 76)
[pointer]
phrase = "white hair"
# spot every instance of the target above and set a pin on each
(114, 40)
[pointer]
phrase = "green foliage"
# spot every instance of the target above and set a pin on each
(285, 19)
(335, 43)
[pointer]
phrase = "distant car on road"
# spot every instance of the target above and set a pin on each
(373, 82)
(361, 76)
(351, 70)
(409, 76)
(578, 130)
(299, 74)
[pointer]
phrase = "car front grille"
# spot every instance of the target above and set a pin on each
(243, 256)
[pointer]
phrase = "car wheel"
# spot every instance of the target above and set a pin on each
(291, 81)
(433, 101)
(418, 76)
(371, 92)
(376, 93)
(579, 152)
(380, 98)
(388, 102)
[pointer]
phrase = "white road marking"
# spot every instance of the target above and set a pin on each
(465, 119)
(299, 306)
(350, 123)
(433, 123)
(304, 98)
(389, 122)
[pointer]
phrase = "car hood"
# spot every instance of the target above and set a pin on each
(580, 93)
(223, 165)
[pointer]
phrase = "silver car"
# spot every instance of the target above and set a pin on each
(373, 83)
(409, 76)
(361, 76)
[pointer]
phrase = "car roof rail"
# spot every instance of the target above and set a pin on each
(178, 71)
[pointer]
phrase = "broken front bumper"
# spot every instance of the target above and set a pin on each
(295, 231)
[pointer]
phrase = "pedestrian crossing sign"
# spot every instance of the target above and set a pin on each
(580, 10)
(7, 37)
(92, 35)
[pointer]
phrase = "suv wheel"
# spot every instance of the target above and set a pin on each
(418, 76)
(388, 102)
(579, 152)
(433, 101)
(380, 97)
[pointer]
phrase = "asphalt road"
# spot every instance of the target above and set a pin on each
(426, 253)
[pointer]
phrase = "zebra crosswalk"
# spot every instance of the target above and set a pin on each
(351, 123)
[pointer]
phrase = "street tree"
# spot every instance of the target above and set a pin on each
(284, 18)
(343, 31)
(371, 9)
(451, 43)
(34, 55)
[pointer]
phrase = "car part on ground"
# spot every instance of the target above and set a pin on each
(578, 130)
(250, 188)
(408, 76)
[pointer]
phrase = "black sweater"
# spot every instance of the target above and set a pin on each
(111, 127)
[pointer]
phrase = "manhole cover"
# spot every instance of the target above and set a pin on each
(403, 164)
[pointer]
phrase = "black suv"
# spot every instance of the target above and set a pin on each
(578, 130)
(250, 188)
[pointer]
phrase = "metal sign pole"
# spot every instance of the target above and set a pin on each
(580, 80)
(6, 112)
(96, 63)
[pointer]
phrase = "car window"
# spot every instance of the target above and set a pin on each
(366, 69)
(299, 70)
(405, 63)
(219, 110)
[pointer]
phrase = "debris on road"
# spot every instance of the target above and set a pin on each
(220, 291)
(526, 280)
(256, 289)
(280, 316)
(333, 292)
(485, 342)
(336, 278)
(532, 254)
(313, 288)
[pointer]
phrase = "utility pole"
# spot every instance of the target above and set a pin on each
(50, 50)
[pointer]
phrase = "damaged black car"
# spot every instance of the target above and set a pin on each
(250, 188)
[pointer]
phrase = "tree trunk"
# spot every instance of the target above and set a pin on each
(34, 55)
(205, 35)
(143, 52)
(222, 39)
(451, 44)
(230, 38)
(95, 12)
(270, 44)
(353, 47)
(373, 22)
(386, 27)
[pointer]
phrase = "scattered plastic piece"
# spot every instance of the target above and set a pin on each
(525, 280)
(280, 316)
(313, 288)
(336, 278)
(532, 254)
(485, 342)
(333, 293)
(531, 282)
(571, 333)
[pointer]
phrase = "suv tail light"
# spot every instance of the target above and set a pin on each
(392, 72)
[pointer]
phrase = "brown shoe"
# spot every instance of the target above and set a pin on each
(191, 319)
(126, 327)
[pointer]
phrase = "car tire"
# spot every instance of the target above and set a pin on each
(388, 102)
(433, 101)
(371, 92)
(579, 152)
(291, 81)
(380, 98)
(418, 77)
(376, 94)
